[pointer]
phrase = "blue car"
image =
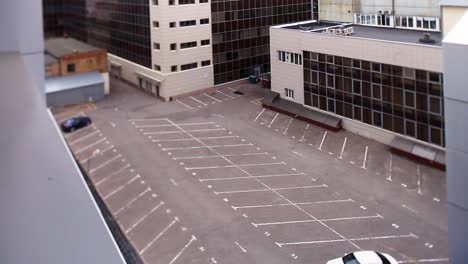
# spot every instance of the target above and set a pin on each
(75, 123)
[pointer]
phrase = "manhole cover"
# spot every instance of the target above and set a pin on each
(239, 92)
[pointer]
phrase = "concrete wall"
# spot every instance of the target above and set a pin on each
(52, 70)
(336, 10)
(456, 125)
(88, 94)
(84, 62)
(451, 16)
(171, 84)
(285, 75)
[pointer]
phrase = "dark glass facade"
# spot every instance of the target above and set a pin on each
(53, 18)
(241, 33)
(120, 26)
(403, 100)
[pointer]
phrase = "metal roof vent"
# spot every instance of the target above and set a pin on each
(427, 39)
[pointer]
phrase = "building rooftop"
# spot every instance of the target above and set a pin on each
(62, 83)
(368, 32)
(59, 47)
(49, 59)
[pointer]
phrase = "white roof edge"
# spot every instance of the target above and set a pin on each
(458, 33)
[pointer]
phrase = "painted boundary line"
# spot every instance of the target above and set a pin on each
(411, 235)
(189, 107)
(311, 221)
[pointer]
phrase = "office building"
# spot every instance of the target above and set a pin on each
(378, 69)
(175, 47)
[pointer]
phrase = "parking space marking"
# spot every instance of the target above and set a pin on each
(250, 177)
(211, 97)
(189, 107)
(411, 235)
(409, 208)
(214, 146)
(147, 119)
(259, 115)
(70, 116)
(174, 182)
(418, 173)
(365, 158)
(84, 137)
(390, 168)
(297, 153)
(215, 156)
(303, 134)
(158, 236)
(343, 148)
(189, 139)
(101, 153)
(175, 132)
(323, 140)
(227, 95)
(287, 127)
(102, 165)
(241, 247)
(196, 100)
(234, 166)
(122, 187)
(170, 125)
(80, 131)
(274, 118)
(112, 174)
(193, 238)
(425, 260)
(144, 217)
(289, 204)
(90, 145)
(312, 221)
(132, 201)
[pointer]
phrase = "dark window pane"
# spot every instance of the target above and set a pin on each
(410, 129)
(436, 136)
(423, 133)
(348, 110)
(357, 113)
(398, 125)
(307, 99)
(388, 122)
(367, 116)
(435, 105)
(377, 121)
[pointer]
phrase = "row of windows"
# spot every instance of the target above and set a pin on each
(257, 12)
(184, 67)
(403, 100)
(181, 2)
(409, 22)
(290, 57)
(186, 23)
(184, 45)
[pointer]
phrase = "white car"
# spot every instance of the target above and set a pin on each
(364, 257)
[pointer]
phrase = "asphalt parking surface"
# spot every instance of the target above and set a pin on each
(222, 180)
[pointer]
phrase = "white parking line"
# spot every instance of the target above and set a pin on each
(249, 177)
(365, 158)
(287, 128)
(344, 240)
(303, 135)
(158, 236)
(84, 137)
(225, 94)
(418, 172)
(273, 189)
(90, 145)
(144, 217)
(289, 204)
(235, 166)
(343, 148)
(112, 174)
(274, 118)
(78, 132)
(193, 238)
(241, 247)
(104, 164)
(196, 100)
(216, 156)
(259, 115)
(425, 260)
(297, 153)
(147, 119)
(121, 187)
(189, 107)
(409, 208)
(131, 201)
(217, 146)
(101, 153)
(211, 97)
(390, 168)
(323, 140)
(311, 221)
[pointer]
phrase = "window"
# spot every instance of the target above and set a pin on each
(206, 63)
(173, 46)
(172, 24)
(188, 66)
(186, 2)
(171, 2)
(187, 23)
(187, 45)
(156, 24)
(350, 259)
(71, 67)
(155, 2)
(156, 46)
(157, 67)
(203, 1)
(205, 42)
(289, 93)
(204, 21)
(290, 57)
(413, 22)
(173, 68)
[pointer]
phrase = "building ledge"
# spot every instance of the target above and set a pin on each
(423, 153)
